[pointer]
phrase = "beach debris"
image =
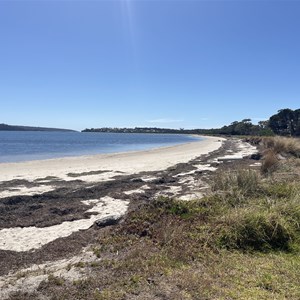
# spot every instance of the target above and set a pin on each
(256, 156)
(136, 180)
(108, 221)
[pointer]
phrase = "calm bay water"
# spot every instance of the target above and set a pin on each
(18, 146)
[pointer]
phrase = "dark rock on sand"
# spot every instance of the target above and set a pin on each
(108, 221)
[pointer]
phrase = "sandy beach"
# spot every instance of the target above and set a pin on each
(112, 164)
(35, 178)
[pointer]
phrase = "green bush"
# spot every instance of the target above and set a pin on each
(254, 230)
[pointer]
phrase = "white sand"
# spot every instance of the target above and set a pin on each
(128, 162)
(25, 191)
(206, 167)
(27, 238)
(148, 178)
(187, 179)
(141, 190)
(244, 149)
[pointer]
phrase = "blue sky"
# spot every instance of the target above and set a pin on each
(175, 64)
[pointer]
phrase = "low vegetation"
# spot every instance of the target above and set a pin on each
(283, 146)
(241, 241)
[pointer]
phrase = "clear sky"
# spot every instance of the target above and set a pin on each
(175, 64)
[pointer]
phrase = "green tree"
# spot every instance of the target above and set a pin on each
(285, 122)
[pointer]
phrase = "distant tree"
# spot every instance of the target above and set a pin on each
(246, 121)
(263, 124)
(243, 127)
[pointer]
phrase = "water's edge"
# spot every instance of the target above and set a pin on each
(29, 146)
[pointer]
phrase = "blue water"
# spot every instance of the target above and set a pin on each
(16, 146)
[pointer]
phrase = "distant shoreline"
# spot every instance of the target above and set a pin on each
(6, 127)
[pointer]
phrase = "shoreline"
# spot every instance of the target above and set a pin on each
(125, 148)
(155, 159)
(197, 138)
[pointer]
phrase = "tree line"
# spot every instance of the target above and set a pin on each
(286, 122)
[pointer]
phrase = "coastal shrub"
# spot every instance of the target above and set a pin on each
(244, 180)
(235, 186)
(281, 190)
(283, 145)
(148, 219)
(247, 181)
(270, 162)
(290, 210)
(268, 219)
(256, 230)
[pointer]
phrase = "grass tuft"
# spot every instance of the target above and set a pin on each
(282, 145)
(270, 162)
(256, 230)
